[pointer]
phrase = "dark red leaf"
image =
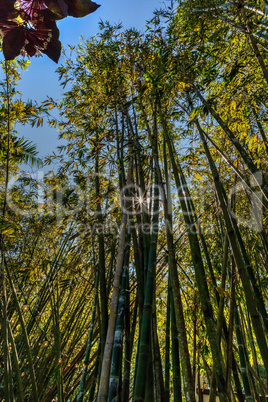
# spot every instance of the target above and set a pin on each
(30, 49)
(7, 9)
(31, 7)
(58, 7)
(44, 20)
(80, 8)
(13, 42)
(53, 49)
(53, 46)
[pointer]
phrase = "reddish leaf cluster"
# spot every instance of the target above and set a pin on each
(30, 25)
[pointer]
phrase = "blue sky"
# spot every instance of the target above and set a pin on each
(40, 80)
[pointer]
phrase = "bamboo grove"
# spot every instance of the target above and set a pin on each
(142, 266)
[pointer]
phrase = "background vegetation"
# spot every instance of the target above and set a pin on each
(141, 263)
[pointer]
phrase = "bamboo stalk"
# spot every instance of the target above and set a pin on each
(145, 332)
(116, 364)
(81, 391)
(106, 363)
(239, 258)
(25, 337)
(199, 268)
(167, 346)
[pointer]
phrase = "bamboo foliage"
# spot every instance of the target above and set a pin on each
(144, 270)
